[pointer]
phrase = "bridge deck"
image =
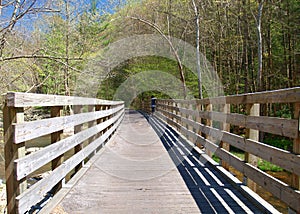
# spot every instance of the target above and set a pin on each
(146, 170)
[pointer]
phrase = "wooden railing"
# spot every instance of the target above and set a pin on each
(94, 122)
(207, 124)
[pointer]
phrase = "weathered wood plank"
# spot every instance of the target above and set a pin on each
(253, 134)
(56, 111)
(278, 188)
(29, 130)
(282, 158)
(78, 128)
(132, 177)
(289, 95)
(296, 145)
(225, 128)
(18, 99)
(12, 151)
(32, 162)
(273, 125)
(273, 185)
(37, 192)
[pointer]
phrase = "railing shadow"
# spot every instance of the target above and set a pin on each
(211, 192)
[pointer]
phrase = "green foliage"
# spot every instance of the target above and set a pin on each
(279, 142)
(262, 164)
(267, 166)
(141, 64)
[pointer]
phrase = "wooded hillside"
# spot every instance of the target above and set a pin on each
(46, 46)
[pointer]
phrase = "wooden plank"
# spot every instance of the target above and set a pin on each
(34, 129)
(66, 188)
(225, 127)
(273, 125)
(160, 194)
(290, 95)
(209, 123)
(56, 137)
(282, 158)
(18, 99)
(37, 192)
(253, 134)
(33, 161)
(77, 129)
(279, 189)
(296, 145)
(12, 151)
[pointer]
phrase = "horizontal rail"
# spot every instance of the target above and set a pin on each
(278, 188)
(273, 125)
(37, 193)
(30, 163)
(34, 129)
(94, 121)
(280, 157)
(17, 99)
(290, 95)
(207, 129)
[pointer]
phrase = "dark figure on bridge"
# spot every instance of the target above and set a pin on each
(153, 103)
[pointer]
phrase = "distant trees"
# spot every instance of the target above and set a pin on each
(253, 45)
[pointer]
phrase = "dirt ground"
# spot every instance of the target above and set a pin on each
(2, 198)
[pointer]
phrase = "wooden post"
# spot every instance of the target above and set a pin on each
(12, 152)
(296, 145)
(190, 117)
(107, 107)
(225, 127)
(199, 120)
(92, 123)
(173, 111)
(77, 129)
(252, 110)
(208, 108)
(178, 113)
(55, 137)
(98, 108)
(98, 121)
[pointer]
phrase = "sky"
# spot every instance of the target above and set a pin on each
(27, 22)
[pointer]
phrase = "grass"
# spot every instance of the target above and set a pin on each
(279, 142)
(267, 166)
(262, 164)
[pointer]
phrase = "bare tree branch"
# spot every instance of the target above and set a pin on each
(39, 85)
(38, 57)
(180, 66)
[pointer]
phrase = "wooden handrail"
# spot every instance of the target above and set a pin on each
(94, 123)
(195, 119)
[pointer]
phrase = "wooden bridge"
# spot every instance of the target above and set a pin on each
(105, 159)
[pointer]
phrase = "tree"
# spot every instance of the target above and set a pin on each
(260, 45)
(197, 25)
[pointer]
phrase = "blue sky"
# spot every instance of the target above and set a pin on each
(29, 20)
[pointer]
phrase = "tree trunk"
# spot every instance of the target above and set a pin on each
(197, 20)
(66, 70)
(260, 47)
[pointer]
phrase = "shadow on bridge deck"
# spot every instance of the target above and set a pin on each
(212, 192)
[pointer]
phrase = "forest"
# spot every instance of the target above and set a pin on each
(47, 46)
